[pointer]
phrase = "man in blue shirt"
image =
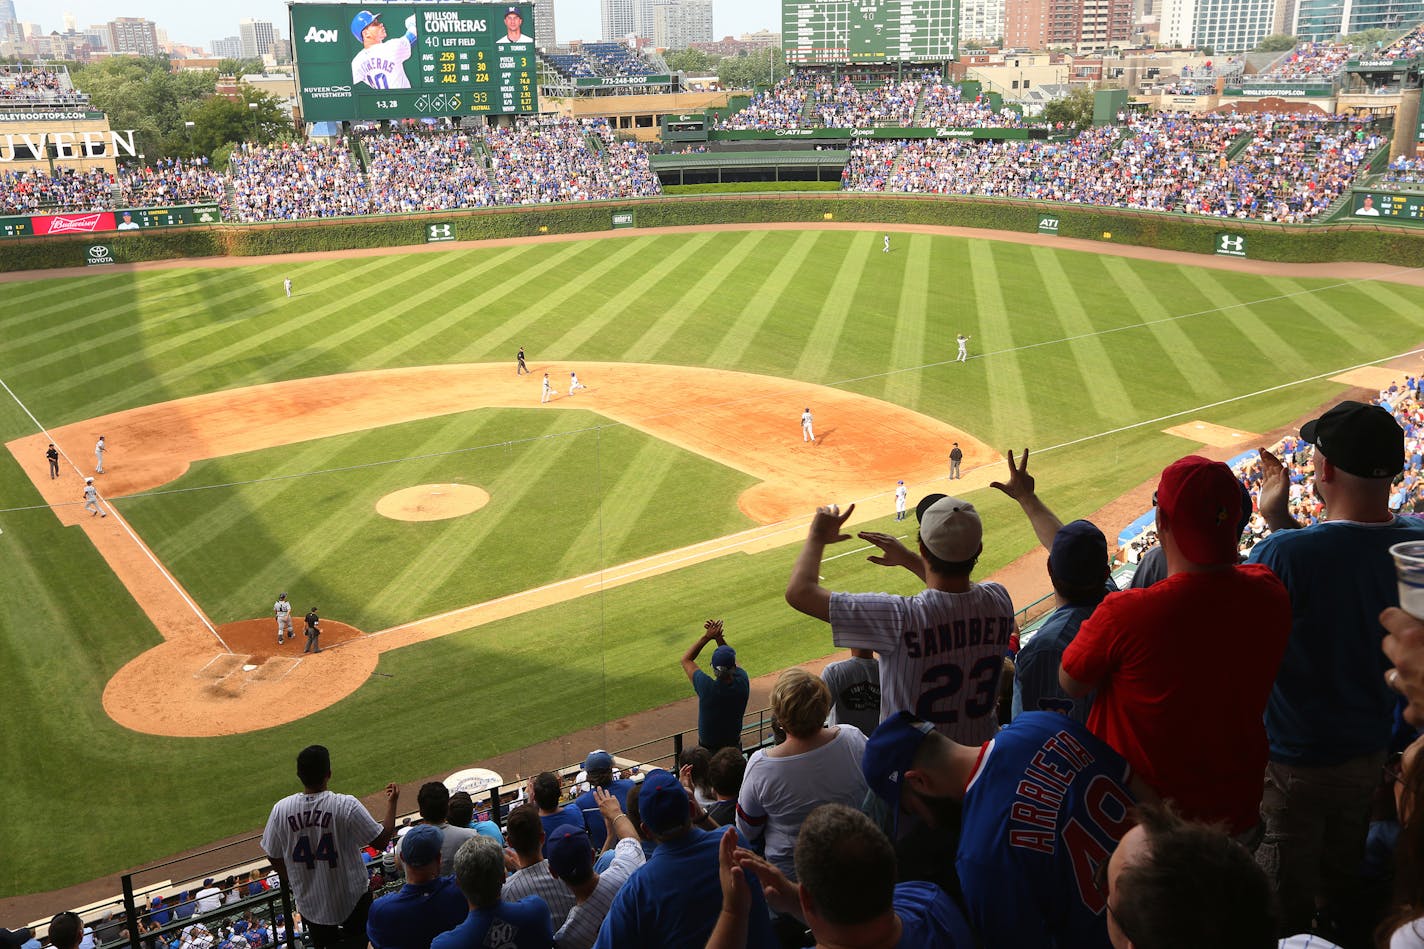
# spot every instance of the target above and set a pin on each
(545, 789)
(721, 701)
(479, 869)
(1330, 716)
(599, 768)
(671, 901)
(428, 905)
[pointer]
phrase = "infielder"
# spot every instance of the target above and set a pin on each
(574, 384)
(380, 64)
(807, 435)
(521, 368)
(886, 248)
(900, 494)
(91, 498)
(548, 390)
(99, 449)
(53, 457)
(283, 611)
(963, 348)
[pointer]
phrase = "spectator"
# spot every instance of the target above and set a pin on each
(525, 834)
(847, 893)
(694, 773)
(1404, 647)
(544, 790)
(726, 771)
(721, 702)
(427, 905)
(461, 813)
(492, 921)
(208, 898)
(571, 862)
(327, 877)
(66, 930)
(598, 767)
(666, 903)
(941, 650)
(1404, 929)
(1151, 654)
(816, 764)
(1043, 806)
(855, 690)
(16, 938)
(433, 800)
(1329, 732)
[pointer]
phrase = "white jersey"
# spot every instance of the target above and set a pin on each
(580, 929)
(90, 493)
(320, 836)
(381, 66)
(806, 419)
(281, 606)
(900, 493)
(941, 654)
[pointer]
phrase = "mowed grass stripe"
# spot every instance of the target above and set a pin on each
(1197, 372)
(908, 336)
(1104, 383)
(1345, 332)
(101, 291)
(623, 499)
(620, 304)
(1256, 329)
(1392, 301)
(992, 329)
(660, 333)
(819, 346)
(764, 299)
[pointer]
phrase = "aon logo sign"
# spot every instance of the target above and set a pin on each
(319, 36)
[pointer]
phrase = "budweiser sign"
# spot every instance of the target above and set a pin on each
(73, 223)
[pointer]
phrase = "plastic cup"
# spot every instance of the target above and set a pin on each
(1409, 574)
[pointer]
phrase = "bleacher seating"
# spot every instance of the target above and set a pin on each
(30, 85)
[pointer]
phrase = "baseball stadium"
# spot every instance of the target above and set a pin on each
(509, 396)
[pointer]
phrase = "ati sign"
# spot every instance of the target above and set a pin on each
(1047, 225)
(98, 254)
(622, 218)
(438, 233)
(1231, 245)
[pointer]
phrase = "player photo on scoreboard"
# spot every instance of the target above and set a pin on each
(381, 62)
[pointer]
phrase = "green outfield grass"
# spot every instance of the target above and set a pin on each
(1066, 347)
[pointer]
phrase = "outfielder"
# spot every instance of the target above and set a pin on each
(548, 390)
(99, 449)
(381, 64)
(886, 248)
(283, 611)
(900, 493)
(807, 434)
(91, 498)
(287, 286)
(574, 384)
(963, 348)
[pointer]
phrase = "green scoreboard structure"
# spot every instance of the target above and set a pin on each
(869, 31)
(1388, 205)
(361, 63)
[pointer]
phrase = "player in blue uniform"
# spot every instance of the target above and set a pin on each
(1044, 805)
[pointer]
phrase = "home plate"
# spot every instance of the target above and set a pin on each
(1218, 436)
(248, 668)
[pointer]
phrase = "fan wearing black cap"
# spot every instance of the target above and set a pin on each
(1330, 716)
(942, 649)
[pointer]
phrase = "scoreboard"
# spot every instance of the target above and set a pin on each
(401, 61)
(869, 31)
(1388, 205)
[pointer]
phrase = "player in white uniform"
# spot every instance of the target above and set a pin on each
(381, 64)
(314, 840)
(900, 494)
(283, 611)
(807, 434)
(963, 348)
(99, 449)
(548, 389)
(574, 384)
(91, 498)
(942, 650)
(287, 286)
(886, 248)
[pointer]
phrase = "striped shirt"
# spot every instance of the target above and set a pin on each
(320, 836)
(941, 654)
(580, 931)
(538, 881)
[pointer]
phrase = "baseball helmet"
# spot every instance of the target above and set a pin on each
(88, 480)
(362, 20)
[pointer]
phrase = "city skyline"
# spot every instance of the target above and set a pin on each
(198, 25)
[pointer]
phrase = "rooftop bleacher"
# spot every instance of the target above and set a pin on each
(31, 85)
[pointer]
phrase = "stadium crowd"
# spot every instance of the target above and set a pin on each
(35, 84)
(1310, 61)
(1405, 170)
(1407, 46)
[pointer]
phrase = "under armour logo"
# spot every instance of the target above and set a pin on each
(440, 230)
(1233, 243)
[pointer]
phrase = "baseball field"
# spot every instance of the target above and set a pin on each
(494, 571)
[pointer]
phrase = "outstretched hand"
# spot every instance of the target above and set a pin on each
(826, 525)
(781, 893)
(1020, 484)
(736, 894)
(893, 553)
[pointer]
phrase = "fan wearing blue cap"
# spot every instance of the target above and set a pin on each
(428, 905)
(721, 701)
(598, 769)
(1043, 805)
(571, 863)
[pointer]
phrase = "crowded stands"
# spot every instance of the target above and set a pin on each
(1405, 170)
(1407, 46)
(37, 85)
(1310, 61)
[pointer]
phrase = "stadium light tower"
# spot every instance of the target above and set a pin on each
(252, 107)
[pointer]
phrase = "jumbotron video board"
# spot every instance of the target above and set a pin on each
(364, 62)
(869, 31)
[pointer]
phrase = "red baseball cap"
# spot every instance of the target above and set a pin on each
(1201, 502)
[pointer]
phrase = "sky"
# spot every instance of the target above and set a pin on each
(200, 23)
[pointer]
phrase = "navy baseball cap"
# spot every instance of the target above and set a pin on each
(890, 752)
(421, 845)
(514, 10)
(599, 760)
(13, 939)
(360, 21)
(1079, 557)
(570, 855)
(1361, 439)
(724, 658)
(662, 802)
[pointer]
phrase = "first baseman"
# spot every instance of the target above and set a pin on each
(900, 493)
(99, 449)
(807, 435)
(283, 611)
(91, 498)
(380, 64)
(574, 384)
(53, 456)
(548, 389)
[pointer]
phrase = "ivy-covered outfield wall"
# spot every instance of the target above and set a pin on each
(1401, 246)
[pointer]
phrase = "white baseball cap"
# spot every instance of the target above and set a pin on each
(951, 530)
(88, 480)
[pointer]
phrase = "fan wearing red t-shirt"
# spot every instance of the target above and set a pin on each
(1183, 669)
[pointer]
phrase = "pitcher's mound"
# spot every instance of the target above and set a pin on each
(432, 502)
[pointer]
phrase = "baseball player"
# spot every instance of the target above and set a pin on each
(283, 611)
(574, 384)
(956, 455)
(380, 64)
(91, 498)
(807, 435)
(99, 449)
(548, 390)
(313, 631)
(521, 368)
(900, 493)
(886, 248)
(314, 840)
(963, 348)
(287, 286)
(53, 456)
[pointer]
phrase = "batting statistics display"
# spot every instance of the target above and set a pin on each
(394, 61)
(869, 31)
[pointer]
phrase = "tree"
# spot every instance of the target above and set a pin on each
(1276, 43)
(1074, 109)
(748, 70)
(219, 121)
(142, 93)
(1368, 37)
(693, 62)
(241, 67)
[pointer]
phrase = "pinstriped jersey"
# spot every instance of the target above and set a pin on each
(940, 653)
(320, 836)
